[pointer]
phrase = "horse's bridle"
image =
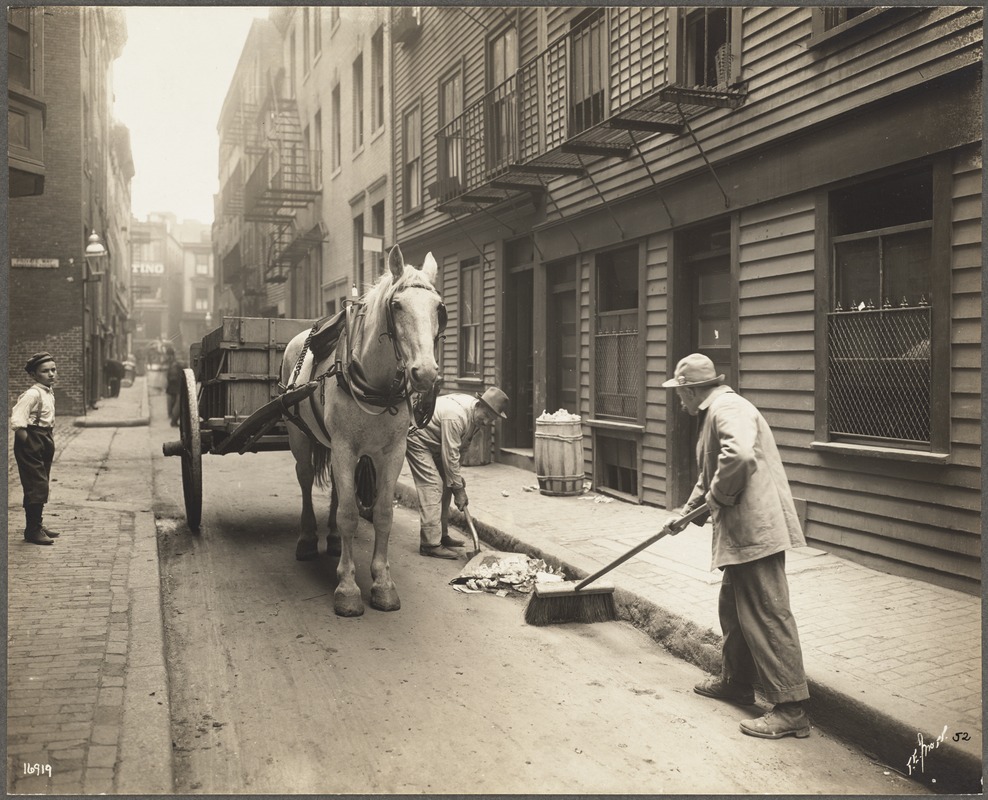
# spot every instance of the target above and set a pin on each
(363, 394)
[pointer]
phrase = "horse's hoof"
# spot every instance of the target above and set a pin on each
(346, 606)
(334, 546)
(307, 550)
(385, 599)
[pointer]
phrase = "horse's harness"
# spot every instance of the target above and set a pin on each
(350, 375)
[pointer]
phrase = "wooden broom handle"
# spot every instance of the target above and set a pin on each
(673, 527)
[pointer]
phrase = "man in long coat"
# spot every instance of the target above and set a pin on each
(743, 483)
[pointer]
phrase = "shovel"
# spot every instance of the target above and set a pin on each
(473, 531)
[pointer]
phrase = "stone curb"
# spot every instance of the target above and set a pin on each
(887, 740)
(130, 422)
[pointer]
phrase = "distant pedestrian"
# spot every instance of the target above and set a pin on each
(743, 482)
(433, 454)
(33, 420)
(114, 371)
(173, 389)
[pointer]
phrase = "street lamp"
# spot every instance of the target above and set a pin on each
(95, 250)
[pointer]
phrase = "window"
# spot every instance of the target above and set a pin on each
(377, 228)
(202, 299)
(588, 71)
(317, 149)
(291, 65)
(19, 47)
(502, 64)
(451, 143)
(202, 263)
(411, 138)
(617, 356)
(306, 25)
(334, 16)
(358, 102)
(334, 145)
(316, 31)
(377, 79)
(471, 315)
(358, 252)
(879, 332)
(709, 47)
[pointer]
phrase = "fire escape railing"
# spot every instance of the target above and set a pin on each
(585, 96)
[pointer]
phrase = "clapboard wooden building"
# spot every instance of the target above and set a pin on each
(795, 192)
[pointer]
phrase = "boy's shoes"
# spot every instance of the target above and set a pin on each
(38, 537)
(451, 541)
(49, 532)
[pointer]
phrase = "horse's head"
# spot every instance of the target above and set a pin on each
(418, 316)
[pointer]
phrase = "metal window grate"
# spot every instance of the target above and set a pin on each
(879, 374)
(617, 371)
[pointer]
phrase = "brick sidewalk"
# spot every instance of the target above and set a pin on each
(67, 651)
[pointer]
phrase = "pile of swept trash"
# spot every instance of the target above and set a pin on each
(502, 573)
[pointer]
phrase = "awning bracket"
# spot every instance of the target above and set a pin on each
(703, 155)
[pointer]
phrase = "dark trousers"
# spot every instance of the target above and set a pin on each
(761, 643)
(34, 457)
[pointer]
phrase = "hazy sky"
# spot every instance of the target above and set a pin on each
(169, 85)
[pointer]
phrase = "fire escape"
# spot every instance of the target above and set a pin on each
(595, 93)
(277, 176)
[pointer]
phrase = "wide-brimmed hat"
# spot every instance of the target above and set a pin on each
(36, 361)
(694, 370)
(495, 400)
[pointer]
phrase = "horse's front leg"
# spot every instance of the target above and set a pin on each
(334, 545)
(384, 593)
(347, 601)
(307, 547)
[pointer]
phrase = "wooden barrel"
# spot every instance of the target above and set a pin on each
(559, 457)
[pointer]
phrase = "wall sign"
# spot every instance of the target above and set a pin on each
(35, 263)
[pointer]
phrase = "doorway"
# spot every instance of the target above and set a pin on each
(519, 365)
(705, 291)
(561, 346)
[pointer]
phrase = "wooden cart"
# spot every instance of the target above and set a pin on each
(230, 399)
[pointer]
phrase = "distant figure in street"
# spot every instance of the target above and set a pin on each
(173, 389)
(743, 482)
(433, 454)
(33, 420)
(114, 374)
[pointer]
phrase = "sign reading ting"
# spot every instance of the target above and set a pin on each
(147, 268)
(35, 263)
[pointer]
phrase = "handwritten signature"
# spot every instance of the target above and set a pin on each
(922, 750)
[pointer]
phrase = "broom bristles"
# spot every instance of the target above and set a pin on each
(560, 603)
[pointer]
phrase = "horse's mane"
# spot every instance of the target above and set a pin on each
(411, 277)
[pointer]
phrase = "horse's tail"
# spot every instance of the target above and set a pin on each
(321, 463)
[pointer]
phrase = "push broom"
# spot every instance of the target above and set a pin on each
(577, 601)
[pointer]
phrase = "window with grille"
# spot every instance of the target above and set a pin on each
(588, 71)
(879, 331)
(471, 316)
(412, 154)
(617, 356)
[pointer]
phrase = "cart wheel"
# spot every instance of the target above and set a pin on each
(191, 450)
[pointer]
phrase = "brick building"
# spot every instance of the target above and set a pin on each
(60, 300)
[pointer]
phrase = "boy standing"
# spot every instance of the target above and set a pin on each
(32, 420)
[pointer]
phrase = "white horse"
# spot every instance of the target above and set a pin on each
(386, 352)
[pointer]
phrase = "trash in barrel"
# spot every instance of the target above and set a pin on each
(559, 453)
